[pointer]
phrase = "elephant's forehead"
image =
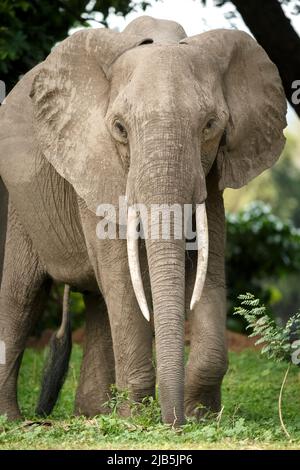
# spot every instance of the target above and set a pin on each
(156, 59)
(158, 67)
(164, 77)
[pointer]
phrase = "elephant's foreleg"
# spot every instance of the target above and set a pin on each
(23, 292)
(97, 372)
(132, 334)
(207, 362)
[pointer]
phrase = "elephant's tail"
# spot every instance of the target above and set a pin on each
(57, 362)
(3, 223)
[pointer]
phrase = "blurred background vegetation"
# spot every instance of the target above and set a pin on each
(263, 237)
(263, 218)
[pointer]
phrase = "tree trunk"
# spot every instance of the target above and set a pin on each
(274, 32)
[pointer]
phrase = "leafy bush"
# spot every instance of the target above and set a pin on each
(279, 342)
(261, 250)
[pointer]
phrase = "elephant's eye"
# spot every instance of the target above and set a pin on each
(208, 128)
(210, 124)
(120, 130)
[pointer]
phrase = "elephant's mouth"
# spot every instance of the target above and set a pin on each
(134, 263)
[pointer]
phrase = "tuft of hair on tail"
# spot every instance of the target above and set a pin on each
(57, 361)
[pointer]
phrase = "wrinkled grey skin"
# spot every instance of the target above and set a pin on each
(61, 155)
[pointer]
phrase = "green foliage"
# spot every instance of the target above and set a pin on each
(249, 419)
(279, 187)
(261, 249)
(285, 180)
(118, 398)
(279, 341)
(29, 29)
(259, 242)
(52, 315)
(147, 413)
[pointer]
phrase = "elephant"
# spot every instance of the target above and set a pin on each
(161, 118)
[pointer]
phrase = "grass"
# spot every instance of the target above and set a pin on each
(249, 419)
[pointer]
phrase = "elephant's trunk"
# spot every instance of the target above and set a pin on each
(166, 260)
(165, 174)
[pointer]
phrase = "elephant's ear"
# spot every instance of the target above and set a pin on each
(70, 96)
(255, 98)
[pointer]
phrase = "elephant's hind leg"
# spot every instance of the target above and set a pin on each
(98, 369)
(23, 292)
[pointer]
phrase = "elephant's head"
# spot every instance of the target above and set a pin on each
(147, 112)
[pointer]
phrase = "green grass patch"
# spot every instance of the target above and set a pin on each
(249, 419)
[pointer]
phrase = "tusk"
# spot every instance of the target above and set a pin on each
(202, 243)
(134, 263)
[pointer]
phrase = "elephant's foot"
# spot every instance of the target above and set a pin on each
(12, 412)
(8, 385)
(92, 404)
(133, 399)
(206, 401)
(14, 416)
